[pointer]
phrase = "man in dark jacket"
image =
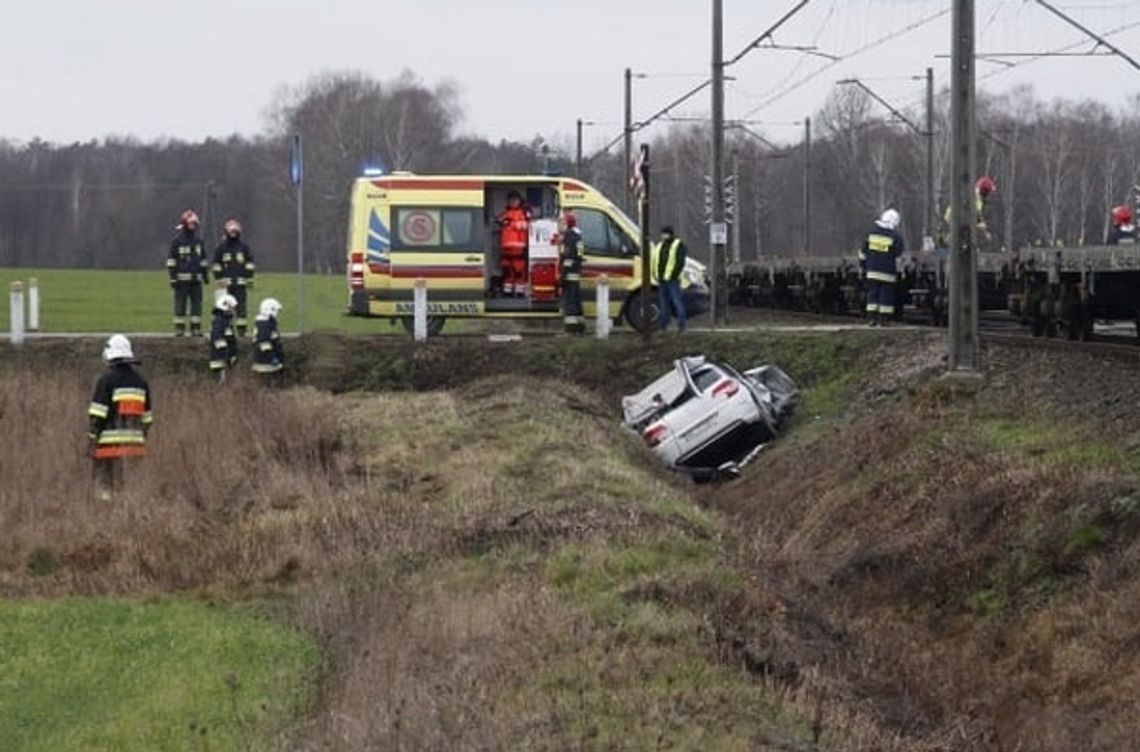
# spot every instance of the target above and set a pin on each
(570, 252)
(1123, 232)
(119, 417)
(879, 257)
(186, 265)
(668, 262)
(233, 264)
(268, 357)
(223, 341)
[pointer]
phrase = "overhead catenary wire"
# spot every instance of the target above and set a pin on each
(1066, 48)
(778, 95)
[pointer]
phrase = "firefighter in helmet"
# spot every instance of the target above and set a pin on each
(514, 224)
(186, 266)
(223, 341)
(268, 357)
(983, 189)
(119, 417)
(879, 257)
(1122, 232)
(570, 252)
(233, 265)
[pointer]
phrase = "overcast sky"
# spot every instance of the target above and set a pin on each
(73, 70)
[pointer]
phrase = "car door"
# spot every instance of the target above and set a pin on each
(608, 251)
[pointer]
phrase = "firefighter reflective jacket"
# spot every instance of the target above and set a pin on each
(880, 250)
(946, 232)
(187, 261)
(515, 230)
(668, 263)
(223, 342)
(233, 262)
(120, 414)
(267, 354)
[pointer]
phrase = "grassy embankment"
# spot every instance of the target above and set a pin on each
(494, 565)
(487, 561)
(970, 560)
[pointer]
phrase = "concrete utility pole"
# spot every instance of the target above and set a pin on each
(807, 186)
(578, 154)
(628, 138)
(646, 241)
(718, 232)
(930, 221)
(738, 191)
(963, 258)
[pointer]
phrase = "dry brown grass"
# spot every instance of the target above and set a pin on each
(949, 591)
(411, 534)
(241, 486)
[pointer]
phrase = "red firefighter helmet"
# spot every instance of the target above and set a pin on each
(1121, 215)
(232, 227)
(985, 185)
(188, 218)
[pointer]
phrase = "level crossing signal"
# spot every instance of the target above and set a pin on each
(729, 198)
(637, 174)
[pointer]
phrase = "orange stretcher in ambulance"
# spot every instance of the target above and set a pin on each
(447, 230)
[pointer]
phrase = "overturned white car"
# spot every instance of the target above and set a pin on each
(708, 419)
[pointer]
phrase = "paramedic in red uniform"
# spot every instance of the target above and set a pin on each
(514, 224)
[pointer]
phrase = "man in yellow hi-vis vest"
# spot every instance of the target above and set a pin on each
(667, 261)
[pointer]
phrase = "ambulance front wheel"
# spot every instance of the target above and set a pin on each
(434, 324)
(632, 311)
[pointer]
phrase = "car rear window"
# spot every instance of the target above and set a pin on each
(706, 377)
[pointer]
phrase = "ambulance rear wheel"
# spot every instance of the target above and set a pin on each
(434, 324)
(633, 312)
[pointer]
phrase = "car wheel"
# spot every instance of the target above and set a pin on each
(632, 311)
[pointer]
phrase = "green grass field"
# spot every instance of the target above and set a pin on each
(162, 675)
(86, 300)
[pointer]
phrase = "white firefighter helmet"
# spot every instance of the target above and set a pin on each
(270, 308)
(226, 302)
(118, 349)
(889, 219)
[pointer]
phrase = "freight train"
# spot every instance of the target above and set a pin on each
(1052, 291)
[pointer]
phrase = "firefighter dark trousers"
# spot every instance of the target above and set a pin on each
(240, 294)
(187, 292)
(572, 318)
(880, 298)
(107, 477)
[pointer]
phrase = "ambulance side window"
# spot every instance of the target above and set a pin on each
(430, 228)
(601, 234)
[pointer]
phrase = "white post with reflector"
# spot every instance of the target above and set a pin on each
(419, 310)
(16, 313)
(602, 314)
(33, 305)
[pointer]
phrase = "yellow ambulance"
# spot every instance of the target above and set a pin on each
(445, 231)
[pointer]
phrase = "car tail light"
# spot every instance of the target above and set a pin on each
(727, 387)
(356, 270)
(654, 434)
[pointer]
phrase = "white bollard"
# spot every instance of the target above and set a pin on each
(419, 309)
(16, 309)
(33, 305)
(602, 313)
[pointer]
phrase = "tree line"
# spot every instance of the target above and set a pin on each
(1060, 166)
